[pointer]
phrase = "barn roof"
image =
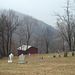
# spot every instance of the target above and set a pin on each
(23, 47)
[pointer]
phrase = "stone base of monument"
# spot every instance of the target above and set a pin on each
(20, 62)
(9, 61)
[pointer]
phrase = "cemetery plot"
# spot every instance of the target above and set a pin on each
(33, 65)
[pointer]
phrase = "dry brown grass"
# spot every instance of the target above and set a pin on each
(49, 66)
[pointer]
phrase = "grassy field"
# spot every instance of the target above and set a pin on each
(49, 66)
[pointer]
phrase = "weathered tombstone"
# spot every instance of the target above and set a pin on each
(21, 58)
(65, 54)
(73, 53)
(59, 55)
(10, 58)
(49, 56)
(27, 62)
(29, 54)
(41, 58)
(54, 56)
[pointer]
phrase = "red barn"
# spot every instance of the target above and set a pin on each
(31, 50)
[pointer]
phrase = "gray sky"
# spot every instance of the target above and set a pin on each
(39, 9)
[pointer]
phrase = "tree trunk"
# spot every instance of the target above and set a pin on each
(10, 43)
(47, 44)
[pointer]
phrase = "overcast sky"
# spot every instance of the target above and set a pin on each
(39, 9)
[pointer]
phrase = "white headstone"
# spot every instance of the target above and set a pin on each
(10, 58)
(29, 54)
(49, 56)
(21, 58)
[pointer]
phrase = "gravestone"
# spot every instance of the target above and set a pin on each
(49, 56)
(59, 55)
(73, 54)
(27, 62)
(65, 54)
(41, 58)
(29, 54)
(54, 56)
(21, 58)
(10, 58)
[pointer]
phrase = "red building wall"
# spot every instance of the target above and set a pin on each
(31, 50)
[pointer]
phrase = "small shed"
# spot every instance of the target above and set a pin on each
(22, 50)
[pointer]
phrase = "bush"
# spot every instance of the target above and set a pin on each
(65, 54)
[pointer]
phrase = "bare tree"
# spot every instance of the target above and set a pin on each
(47, 38)
(9, 23)
(44, 40)
(12, 25)
(41, 42)
(2, 26)
(27, 28)
(65, 25)
(0, 43)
